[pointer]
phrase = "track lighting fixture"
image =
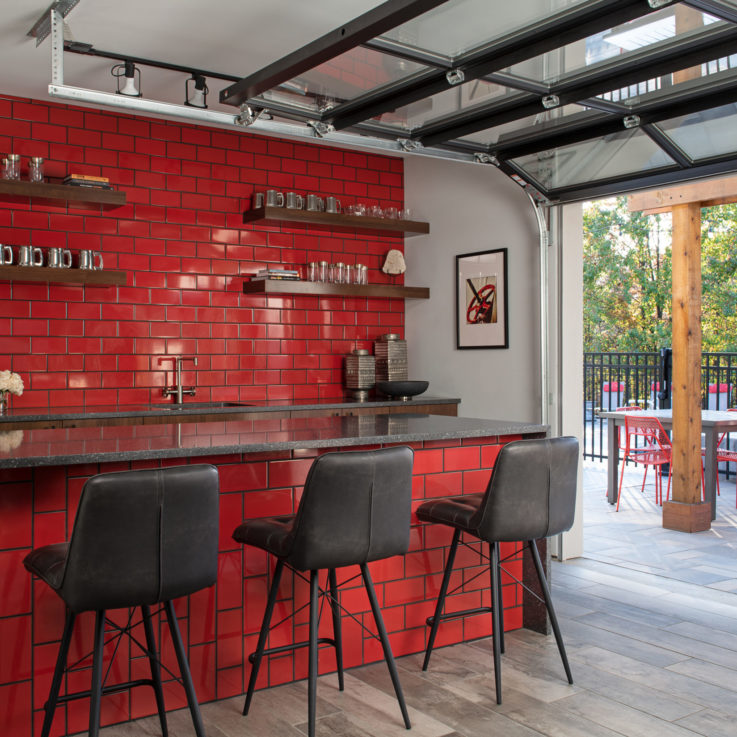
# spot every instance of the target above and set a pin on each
(127, 72)
(196, 97)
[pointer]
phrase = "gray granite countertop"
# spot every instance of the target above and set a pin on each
(31, 414)
(62, 446)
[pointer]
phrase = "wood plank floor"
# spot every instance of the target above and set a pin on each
(650, 622)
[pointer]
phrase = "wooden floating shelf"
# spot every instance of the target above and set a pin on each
(331, 220)
(75, 276)
(311, 288)
(79, 197)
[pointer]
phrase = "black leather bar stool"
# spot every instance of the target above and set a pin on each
(531, 495)
(355, 508)
(140, 538)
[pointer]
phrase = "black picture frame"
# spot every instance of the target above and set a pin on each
(482, 317)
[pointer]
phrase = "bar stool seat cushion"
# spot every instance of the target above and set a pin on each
(48, 563)
(456, 512)
(273, 534)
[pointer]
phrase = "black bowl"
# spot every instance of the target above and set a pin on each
(404, 390)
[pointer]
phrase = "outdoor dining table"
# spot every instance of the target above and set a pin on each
(713, 424)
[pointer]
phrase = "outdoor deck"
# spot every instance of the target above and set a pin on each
(650, 621)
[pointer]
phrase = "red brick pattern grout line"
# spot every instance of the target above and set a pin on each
(220, 625)
(181, 240)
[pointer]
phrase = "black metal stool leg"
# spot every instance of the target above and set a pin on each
(61, 661)
(496, 621)
(263, 634)
(501, 596)
(312, 666)
(155, 667)
(96, 687)
(337, 627)
(385, 642)
(441, 598)
(176, 637)
(549, 604)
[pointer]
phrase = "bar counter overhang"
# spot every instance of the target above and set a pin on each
(262, 466)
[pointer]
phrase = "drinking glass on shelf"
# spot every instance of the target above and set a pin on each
(357, 270)
(12, 168)
(391, 212)
(313, 271)
(338, 273)
(376, 212)
(349, 274)
(405, 214)
(36, 169)
(323, 272)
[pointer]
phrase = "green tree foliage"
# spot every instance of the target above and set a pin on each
(628, 282)
(719, 278)
(626, 277)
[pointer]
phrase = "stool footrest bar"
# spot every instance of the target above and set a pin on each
(114, 688)
(458, 615)
(289, 648)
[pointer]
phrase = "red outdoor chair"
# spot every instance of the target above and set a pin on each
(622, 437)
(724, 454)
(646, 442)
(621, 441)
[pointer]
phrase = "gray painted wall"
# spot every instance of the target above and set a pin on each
(472, 208)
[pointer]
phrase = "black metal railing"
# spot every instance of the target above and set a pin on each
(612, 380)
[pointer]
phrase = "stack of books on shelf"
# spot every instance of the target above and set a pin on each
(284, 274)
(87, 180)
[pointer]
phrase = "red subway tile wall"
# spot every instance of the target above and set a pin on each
(220, 625)
(181, 241)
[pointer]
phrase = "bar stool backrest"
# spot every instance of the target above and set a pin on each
(355, 508)
(142, 537)
(531, 492)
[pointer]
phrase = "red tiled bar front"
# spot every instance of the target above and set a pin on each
(262, 466)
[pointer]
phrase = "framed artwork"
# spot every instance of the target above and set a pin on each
(481, 300)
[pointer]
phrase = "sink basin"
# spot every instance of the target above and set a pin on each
(199, 405)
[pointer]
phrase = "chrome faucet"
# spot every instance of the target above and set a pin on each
(179, 390)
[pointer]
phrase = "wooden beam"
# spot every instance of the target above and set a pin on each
(686, 512)
(707, 193)
(687, 19)
(650, 203)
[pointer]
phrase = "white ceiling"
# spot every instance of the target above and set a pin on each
(235, 37)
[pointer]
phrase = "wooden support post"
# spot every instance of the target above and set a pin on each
(686, 512)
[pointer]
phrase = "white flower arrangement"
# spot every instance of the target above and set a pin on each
(11, 382)
(10, 440)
